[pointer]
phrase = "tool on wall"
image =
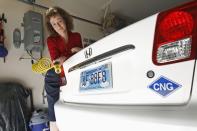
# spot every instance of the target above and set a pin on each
(3, 50)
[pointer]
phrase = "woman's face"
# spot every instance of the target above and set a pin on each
(58, 24)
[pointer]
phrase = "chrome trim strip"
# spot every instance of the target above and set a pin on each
(101, 57)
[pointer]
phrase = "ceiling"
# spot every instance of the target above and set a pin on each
(134, 9)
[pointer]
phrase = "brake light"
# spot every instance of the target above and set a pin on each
(176, 35)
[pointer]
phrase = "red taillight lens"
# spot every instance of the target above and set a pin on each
(176, 25)
(176, 35)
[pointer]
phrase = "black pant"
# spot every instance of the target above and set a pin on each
(52, 87)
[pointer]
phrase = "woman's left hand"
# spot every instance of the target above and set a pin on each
(75, 49)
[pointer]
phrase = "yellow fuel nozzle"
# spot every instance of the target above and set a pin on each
(45, 64)
(57, 67)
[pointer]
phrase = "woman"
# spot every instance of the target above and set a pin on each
(62, 44)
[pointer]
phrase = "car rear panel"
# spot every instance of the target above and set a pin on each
(145, 94)
(130, 83)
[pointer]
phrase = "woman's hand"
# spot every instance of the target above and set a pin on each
(60, 60)
(75, 49)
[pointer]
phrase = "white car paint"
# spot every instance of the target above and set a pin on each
(130, 104)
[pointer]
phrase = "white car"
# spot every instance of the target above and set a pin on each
(142, 77)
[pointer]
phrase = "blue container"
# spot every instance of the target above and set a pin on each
(39, 121)
(3, 51)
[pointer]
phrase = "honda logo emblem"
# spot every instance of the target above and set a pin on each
(88, 52)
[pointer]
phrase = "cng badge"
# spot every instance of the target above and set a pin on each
(164, 86)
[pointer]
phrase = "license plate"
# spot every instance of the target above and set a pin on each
(96, 78)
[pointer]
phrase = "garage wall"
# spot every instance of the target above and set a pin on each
(20, 70)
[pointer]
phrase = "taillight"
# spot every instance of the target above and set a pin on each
(176, 35)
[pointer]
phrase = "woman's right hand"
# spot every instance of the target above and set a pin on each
(60, 60)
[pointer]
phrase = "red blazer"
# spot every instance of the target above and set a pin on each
(57, 47)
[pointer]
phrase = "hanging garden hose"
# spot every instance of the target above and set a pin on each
(44, 64)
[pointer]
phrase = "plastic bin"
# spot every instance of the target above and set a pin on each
(39, 121)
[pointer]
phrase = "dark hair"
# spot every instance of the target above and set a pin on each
(53, 11)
